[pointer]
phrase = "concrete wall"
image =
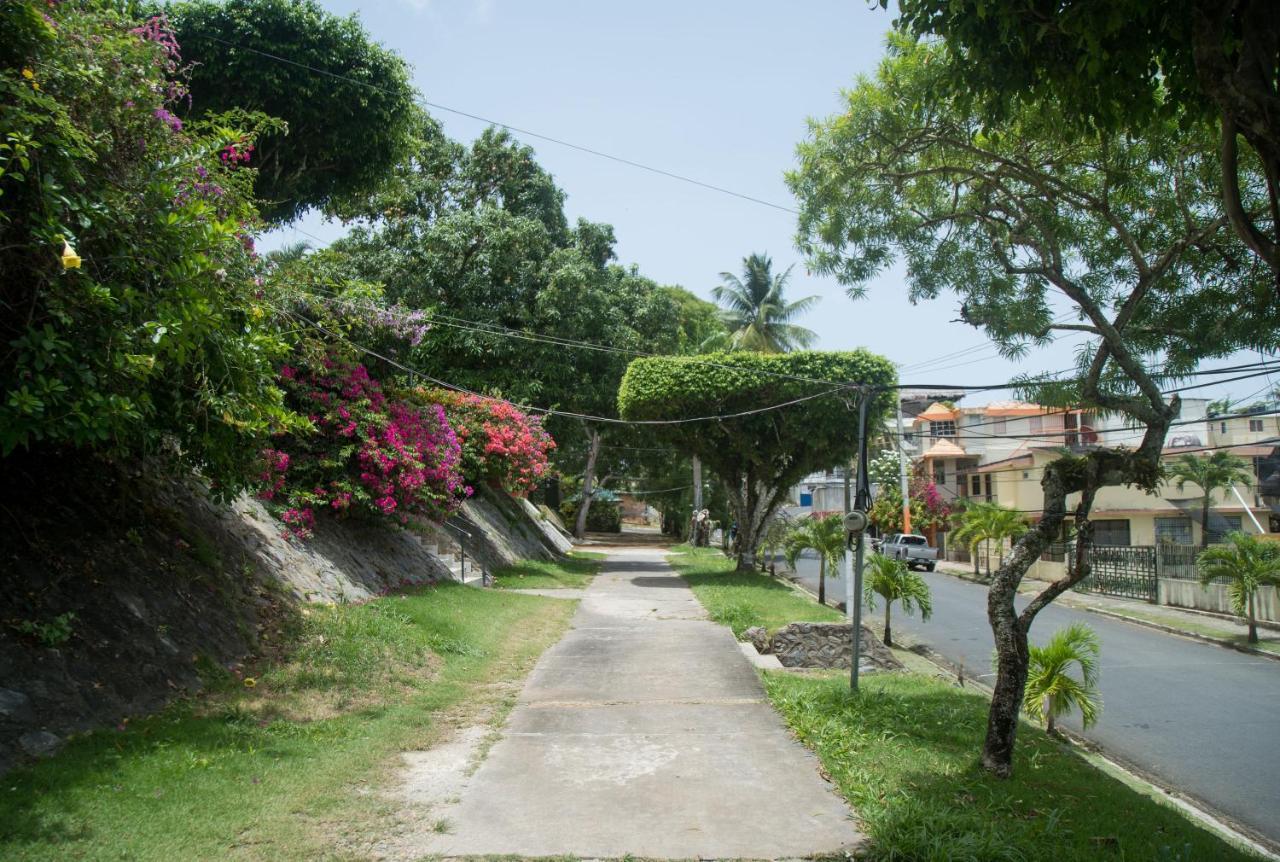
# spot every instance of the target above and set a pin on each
(1190, 594)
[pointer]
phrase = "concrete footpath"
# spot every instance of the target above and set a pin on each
(645, 731)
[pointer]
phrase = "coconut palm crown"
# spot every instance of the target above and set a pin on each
(756, 312)
(826, 536)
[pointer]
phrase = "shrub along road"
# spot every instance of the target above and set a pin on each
(1198, 717)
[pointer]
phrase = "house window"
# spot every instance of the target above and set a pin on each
(939, 474)
(1113, 532)
(1174, 531)
(946, 428)
(1221, 525)
(988, 483)
(1223, 427)
(1000, 426)
(1255, 424)
(1037, 424)
(975, 485)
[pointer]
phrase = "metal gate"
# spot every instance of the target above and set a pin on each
(1117, 570)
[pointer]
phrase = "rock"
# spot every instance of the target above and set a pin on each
(829, 645)
(758, 638)
(40, 743)
(14, 705)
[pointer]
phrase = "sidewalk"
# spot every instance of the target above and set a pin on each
(644, 732)
(1213, 628)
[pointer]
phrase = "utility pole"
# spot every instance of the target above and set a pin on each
(902, 471)
(846, 567)
(861, 503)
(696, 525)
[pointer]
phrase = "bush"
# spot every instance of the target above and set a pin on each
(501, 445)
(603, 517)
(127, 269)
(366, 452)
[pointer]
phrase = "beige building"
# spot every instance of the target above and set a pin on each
(997, 453)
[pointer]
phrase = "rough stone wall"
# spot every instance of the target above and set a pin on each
(160, 578)
(829, 645)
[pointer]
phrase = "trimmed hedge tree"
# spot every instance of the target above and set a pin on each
(760, 456)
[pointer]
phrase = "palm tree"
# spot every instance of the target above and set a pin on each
(288, 253)
(1051, 690)
(757, 314)
(1008, 524)
(1211, 472)
(1248, 562)
(824, 535)
(983, 522)
(894, 582)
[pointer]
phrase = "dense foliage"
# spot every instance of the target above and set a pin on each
(1115, 65)
(131, 320)
(928, 509)
(345, 126)
(761, 455)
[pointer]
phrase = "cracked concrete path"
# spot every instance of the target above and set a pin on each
(645, 731)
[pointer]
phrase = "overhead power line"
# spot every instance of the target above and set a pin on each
(520, 131)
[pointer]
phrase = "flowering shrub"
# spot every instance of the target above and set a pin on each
(123, 245)
(928, 509)
(369, 453)
(501, 444)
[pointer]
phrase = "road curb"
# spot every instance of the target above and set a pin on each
(1167, 629)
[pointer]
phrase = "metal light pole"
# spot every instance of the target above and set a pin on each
(902, 472)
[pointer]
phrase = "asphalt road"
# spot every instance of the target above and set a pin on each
(1201, 718)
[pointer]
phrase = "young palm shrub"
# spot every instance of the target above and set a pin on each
(773, 538)
(824, 535)
(1248, 563)
(1052, 691)
(894, 582)
(1211, 473)
(979, 523)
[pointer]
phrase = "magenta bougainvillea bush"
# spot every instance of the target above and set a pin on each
(370, 453)
(501, 444)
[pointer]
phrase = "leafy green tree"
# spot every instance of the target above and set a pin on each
(1116, 65)
(1013, 218)
(1211, 472)
(1247, 562)
(894, 582)
(131, 320)
(757, 313)
(757, 453)
(345, 130)
(824, 535)
(1052, 691)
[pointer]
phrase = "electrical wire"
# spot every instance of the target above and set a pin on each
(526, 132)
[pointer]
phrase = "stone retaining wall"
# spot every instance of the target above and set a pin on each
(823, 645)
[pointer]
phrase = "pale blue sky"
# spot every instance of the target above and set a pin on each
(715, 90)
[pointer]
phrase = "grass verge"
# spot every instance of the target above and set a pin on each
(574, 571)
(286, 763)
(741, 600)
(903, 753)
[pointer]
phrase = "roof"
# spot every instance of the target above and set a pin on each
(944, 448)
(938, 412)
(1246, 450)
(1014, 408)
(1015, 463)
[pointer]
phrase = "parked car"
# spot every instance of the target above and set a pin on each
(911, 549)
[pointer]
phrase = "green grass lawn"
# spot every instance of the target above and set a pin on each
(741, 600)
(904, 753)
(289, 762)
(576, 570)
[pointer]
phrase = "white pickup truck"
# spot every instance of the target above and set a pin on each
(912, 550)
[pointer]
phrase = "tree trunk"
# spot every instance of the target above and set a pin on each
(1253, 620)
(888, 635)
(822, 579)
(1050, 725)
(973, 549)
(752, 504)
(1011, 677)
(588, 483)
(699, 535)
(1204, 523)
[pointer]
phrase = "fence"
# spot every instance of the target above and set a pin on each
(1120, 570)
